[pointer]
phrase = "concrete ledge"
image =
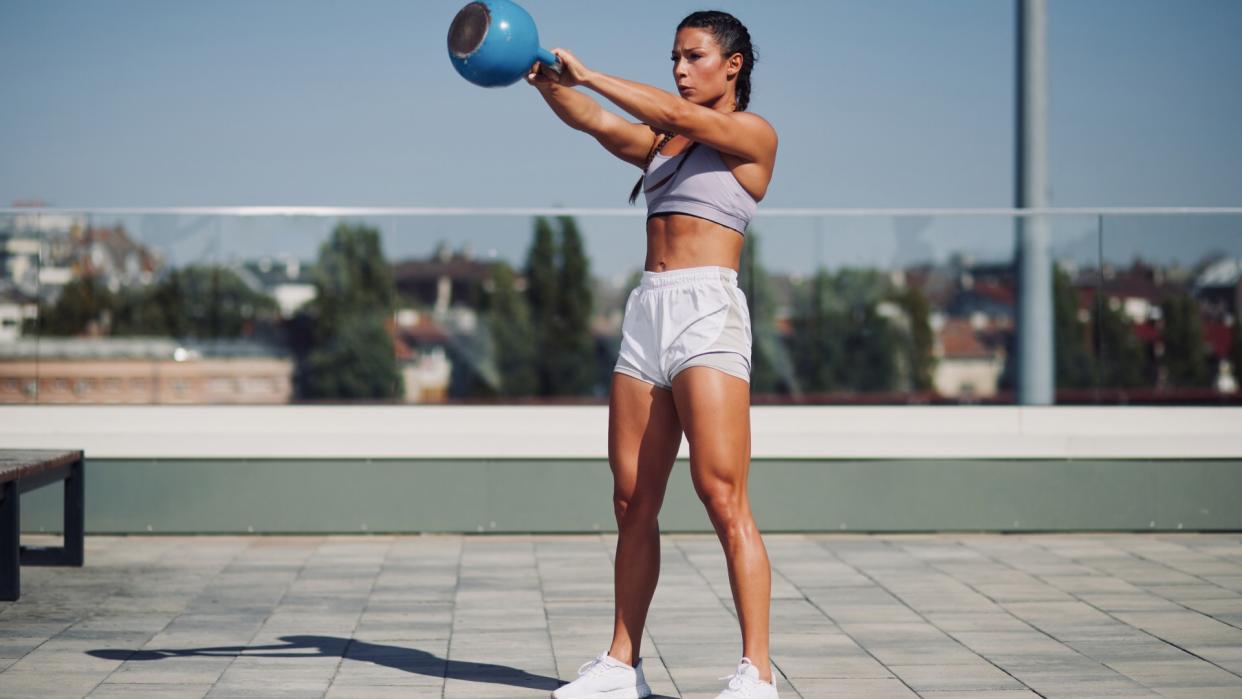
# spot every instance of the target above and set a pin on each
(580, 432)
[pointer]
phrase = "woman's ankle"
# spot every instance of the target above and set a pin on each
(629, 657)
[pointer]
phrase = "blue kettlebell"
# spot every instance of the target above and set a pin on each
(494, 43)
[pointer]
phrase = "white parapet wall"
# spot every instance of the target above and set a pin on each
(554, 432)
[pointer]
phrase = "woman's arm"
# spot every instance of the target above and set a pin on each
(628, 141)
(742, 134)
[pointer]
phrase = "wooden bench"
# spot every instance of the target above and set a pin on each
(21, 471)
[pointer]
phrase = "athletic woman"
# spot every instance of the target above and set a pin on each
(684, 364)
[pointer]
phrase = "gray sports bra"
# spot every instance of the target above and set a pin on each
(696, 181)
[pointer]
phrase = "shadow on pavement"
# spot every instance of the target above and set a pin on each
(409, 660)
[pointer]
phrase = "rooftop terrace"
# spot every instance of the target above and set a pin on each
(853, 615)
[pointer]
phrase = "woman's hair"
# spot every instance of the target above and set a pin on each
(732, 37)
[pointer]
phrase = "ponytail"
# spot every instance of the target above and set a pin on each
(638, 186)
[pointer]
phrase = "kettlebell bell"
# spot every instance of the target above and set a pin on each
(493, 43)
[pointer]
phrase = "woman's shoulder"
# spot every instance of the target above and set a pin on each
(753, 120)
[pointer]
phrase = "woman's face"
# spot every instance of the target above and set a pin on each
(700, 72)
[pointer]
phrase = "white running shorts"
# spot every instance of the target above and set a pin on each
(682, 318)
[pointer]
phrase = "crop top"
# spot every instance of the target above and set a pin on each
(703, 187)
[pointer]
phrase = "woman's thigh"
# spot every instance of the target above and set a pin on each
(714, 408)
(644, 435)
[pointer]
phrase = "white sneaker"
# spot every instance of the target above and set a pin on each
(745, 683)
(605, 677)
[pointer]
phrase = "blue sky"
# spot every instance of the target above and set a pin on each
(879, 103)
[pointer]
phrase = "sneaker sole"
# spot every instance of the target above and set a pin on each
(640, 692)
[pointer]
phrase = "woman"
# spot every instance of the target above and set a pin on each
(684, 363)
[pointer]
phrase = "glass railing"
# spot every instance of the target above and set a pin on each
(397, 306)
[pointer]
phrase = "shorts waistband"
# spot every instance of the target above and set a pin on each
(687, 275)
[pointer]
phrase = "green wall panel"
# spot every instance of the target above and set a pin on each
(281, 496)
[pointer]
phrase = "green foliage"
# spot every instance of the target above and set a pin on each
(352, 273)
(771, 369)
(571, 363)
(199, 302)
(841, 342)
(81, 302)
(513, 334)
(193, 302)
(560, 301)
(350, 353)
(541, 295)
(354, 361)
(920, 360)
(1075, 367)
(1122, 361)
(1185, 353)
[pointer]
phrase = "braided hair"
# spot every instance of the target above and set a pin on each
(732, 37)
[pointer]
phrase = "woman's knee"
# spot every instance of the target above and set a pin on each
(636, 509)
(725, 503)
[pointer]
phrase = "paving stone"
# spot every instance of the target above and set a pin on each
(853, 688)
(19, 683)
(384, 692)
(857, 615)
(1182, 673)
(959, 677)
(983, 694)
(158, 691)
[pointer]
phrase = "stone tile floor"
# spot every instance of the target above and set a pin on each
(853, 615)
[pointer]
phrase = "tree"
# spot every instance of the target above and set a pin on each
(541, 295)
(560, 301)
(572, 351)
(919, 352)
(356, 362)
(351, 353)
(513, 334)
(1074, 365)
(83, 302)
(771, 366)
(199, 302)
(817, 345)
(1185, 354)
(1121, 362)
(841, 341)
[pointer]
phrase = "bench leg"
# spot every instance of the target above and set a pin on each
(75, 514)
(10, 530)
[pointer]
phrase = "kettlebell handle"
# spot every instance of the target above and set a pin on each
(550, 60)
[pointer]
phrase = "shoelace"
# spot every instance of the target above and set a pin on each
(735, 681)
(590, 666)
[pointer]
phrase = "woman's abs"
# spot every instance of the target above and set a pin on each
(677, 241)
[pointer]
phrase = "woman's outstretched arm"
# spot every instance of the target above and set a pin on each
(628, 141)
(742, 134)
